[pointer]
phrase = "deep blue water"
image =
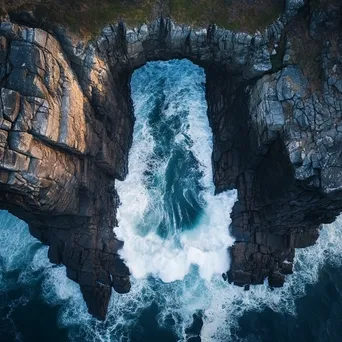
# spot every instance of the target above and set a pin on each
(176, 237)
(319, 314)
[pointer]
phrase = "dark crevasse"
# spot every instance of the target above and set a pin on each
(172, 224)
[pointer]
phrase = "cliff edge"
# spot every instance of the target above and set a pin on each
(274, 105)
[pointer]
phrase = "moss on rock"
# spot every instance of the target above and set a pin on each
(87, 17)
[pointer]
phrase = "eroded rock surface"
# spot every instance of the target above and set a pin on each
(66, 126)
(58, 162)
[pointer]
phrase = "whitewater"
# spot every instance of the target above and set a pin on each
(170, 218)
(175, 233)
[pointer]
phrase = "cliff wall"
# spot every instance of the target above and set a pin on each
(67, 120)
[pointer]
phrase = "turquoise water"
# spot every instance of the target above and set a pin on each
(176, 237)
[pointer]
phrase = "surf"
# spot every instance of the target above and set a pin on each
(175, 254)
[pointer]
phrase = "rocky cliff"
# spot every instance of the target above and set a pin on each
(67, 120)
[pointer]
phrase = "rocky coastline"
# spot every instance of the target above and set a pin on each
(67, 120)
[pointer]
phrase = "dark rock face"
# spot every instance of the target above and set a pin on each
(66, 126)
(58, 162)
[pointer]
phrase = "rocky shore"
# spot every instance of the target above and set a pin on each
(66, 127)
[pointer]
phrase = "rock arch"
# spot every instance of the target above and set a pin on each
(66, 127)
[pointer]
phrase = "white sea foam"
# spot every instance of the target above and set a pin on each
(222, 304)
(206, 246)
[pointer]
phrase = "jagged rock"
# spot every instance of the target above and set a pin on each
(10, 103)
(292, 6)
(66, 124)
(53, 163)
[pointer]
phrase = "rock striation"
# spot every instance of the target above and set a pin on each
(58, 162)
(66, 124)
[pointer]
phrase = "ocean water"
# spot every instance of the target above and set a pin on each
(176, 238)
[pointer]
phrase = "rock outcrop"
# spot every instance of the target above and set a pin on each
(58, 162)
(66, 126)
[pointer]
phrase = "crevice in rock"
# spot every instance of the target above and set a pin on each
(274, 141)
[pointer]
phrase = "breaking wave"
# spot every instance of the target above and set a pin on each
(170, 218)
(178, 262)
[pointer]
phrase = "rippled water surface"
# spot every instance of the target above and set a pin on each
(176, 237)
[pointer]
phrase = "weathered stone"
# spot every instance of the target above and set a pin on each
(14, 161)
(292, 6)
(3, 50)
(274, 141)
(28, 57)
(47, 127)
(10, 104)
(20, 142)
(5, 124)
(3, 138)
(276, 279)
(26, 84)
